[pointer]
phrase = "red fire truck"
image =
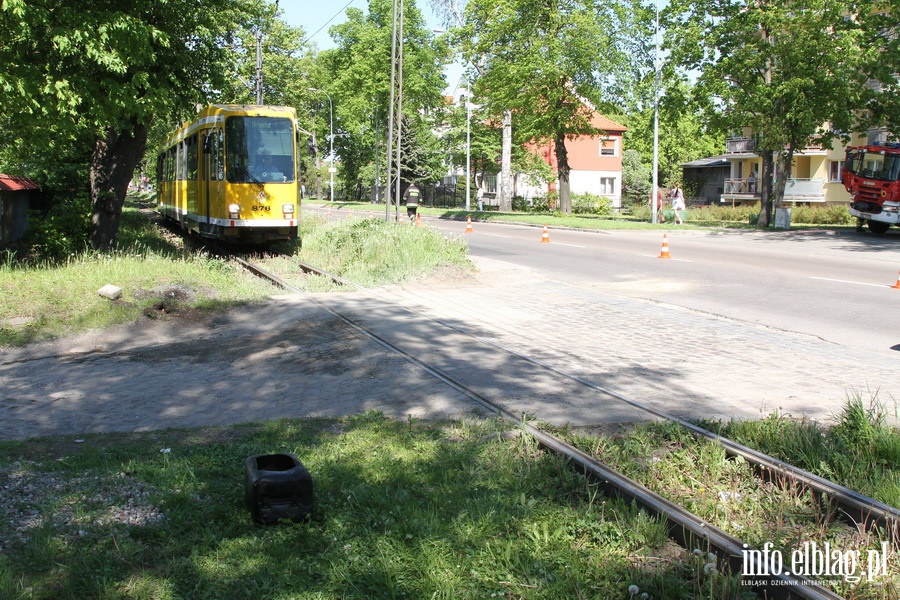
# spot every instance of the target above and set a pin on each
(872, 176)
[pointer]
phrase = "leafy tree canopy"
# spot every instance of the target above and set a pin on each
(790, 71)
(357, 75)
(551, 64)
(102, 71)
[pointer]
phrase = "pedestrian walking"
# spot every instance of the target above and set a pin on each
(678, 205)
(411, 197)
(660, 205)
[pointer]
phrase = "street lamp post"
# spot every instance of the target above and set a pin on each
(654, 199)
(468, 148)
(330, 140)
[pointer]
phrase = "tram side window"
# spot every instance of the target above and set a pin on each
(170, 164)
(220, 154)
(217, 155)
(191, 157)
(179, 162)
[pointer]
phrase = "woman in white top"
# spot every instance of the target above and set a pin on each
(678, 203)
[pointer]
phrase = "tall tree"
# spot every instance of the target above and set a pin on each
(683, 134)
(793, 71)
(98, 71)
(552, 63)
(357, 75)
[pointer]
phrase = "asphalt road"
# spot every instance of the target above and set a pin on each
(834, 286)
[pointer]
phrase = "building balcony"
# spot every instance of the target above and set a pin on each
(738, 146)
(746, 148)
(795, 190)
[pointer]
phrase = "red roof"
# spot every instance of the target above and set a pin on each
(607, 125)
(11, 183)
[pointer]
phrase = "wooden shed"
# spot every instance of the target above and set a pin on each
(17, 196)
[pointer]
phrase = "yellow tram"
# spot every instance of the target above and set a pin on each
(232, 174)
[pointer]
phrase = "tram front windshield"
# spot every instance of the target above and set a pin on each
(259, 150)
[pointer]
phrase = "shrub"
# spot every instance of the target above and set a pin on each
(835, 214)
(589, 204)
(61, 232)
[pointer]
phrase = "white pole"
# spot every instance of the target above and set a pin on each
(399, 106)
(390, 136)
(330, 138)
(655, 195)
(468, 148)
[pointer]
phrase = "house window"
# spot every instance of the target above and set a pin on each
(608, 186)
(834, 170)
(608, 147)
(490, 183)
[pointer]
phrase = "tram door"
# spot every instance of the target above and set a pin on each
(213, 177)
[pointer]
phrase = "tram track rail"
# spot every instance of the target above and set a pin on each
(686, 528)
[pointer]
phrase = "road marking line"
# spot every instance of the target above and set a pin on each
(851, 282)
(672, 258)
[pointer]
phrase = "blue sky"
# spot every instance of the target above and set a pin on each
(316, 16)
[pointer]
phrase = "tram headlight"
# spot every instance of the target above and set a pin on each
(234, 211)
(288, 210)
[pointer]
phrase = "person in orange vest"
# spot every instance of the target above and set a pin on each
(411, 197)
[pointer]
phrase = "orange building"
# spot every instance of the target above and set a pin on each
(595, 163)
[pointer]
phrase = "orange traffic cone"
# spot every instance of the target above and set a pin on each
(896, 286)
(665, 248)
(469, 225)
(545, 239)
(418, 220)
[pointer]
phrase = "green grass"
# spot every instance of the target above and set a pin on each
(403, 510)
(860, 449)
(47, 299)
(372, 252)
(635, 217)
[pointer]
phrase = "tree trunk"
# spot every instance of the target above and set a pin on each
(782, 162)
(765, 190)
(562, 166)
(115, 157)
(506, 164)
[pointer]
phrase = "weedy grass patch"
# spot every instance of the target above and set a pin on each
(855, 451)
(859, 449)
(44, 299)
(403, 510)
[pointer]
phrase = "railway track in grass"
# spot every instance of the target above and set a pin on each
(764, 568)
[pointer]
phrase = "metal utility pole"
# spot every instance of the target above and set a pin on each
(468, 147)
(506, 166)
(259, 62)
(259, 71)
(654, 200)
(390, 136)
(399, 107)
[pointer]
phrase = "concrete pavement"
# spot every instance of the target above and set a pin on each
(292, 358)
